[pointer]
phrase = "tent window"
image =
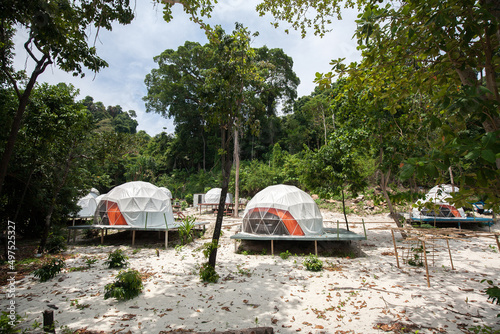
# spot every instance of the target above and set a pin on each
(442, 211)
(264, 222)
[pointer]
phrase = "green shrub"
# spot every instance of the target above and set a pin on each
(186, 230)
(117, 259)
(49, 270)
(128, 284)
(208, 274)
(8, 323)
(56, 242)
(312, 263)
(189, 198)
(285, 255)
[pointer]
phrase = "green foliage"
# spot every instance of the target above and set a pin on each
(186, 230)
(117, 259)
(128, 284)
(50, 269)
(312, 263)
(208, 247)
(285, 255)
(56, 242)
(208, 274)
(493, 292)
(189, 199)
(8, 323)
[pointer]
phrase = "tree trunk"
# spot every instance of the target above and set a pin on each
(384, 179)
(16, 123)
(226, 173)
(236, 172)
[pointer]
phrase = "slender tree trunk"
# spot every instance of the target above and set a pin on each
(41, 65)
(226, 173)
(237, 172)
(384, 180)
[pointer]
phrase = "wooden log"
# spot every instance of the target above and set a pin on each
(48, 321)
(256, 330)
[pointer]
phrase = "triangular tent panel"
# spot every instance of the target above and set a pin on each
(138, 204)
(282, 210)
(166, 191)
(440, 196)
(213, 196)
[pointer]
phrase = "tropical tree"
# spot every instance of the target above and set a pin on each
(50, 163)
(335, 168)
(57, 34)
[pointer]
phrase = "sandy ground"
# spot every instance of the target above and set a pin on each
(365, 294)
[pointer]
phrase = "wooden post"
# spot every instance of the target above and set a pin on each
(272, 247)
(498, 243)
(316, 247)
(48, 321)
(364, 228)
(133, 238)
(102, 237)
(395, 248)
(449, 252)
(426, 266)
(166, 239)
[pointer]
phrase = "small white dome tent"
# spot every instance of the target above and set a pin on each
(440, 196)
(282, 210)
(137, 204)
(213, 196)
(88, 204)
(166, 191)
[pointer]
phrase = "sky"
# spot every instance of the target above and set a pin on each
(129, 51)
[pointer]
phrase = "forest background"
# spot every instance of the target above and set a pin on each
(421, 107)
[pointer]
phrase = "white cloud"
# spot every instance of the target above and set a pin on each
(129, 51)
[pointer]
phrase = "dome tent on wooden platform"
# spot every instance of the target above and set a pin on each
(138, 204)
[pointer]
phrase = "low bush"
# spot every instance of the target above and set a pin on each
(312, 263)
(117, 259)
(208, 274)
(50, 269)
(128, 284)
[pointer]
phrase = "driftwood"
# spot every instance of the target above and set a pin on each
(256, 330)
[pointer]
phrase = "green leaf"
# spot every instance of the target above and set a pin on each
(488, 155)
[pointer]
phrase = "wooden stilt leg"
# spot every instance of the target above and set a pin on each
(449, 252)
(395, 248)
(272, 247)
(426, 266)
(102, 237)
(133, 238)
(498, 243)
(166, 239)
(316, 247)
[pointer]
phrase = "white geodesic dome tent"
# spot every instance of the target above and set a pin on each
(282, 210)
(166, 191)
(213, 196)
(440, 196)
(88, 204)
(137, 204)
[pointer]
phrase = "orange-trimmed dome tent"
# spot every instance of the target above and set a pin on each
(283, 212)
(438, 207)
(136, 204)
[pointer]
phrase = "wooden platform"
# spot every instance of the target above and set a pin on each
(105, 228)
(453, 220)
(330, 234)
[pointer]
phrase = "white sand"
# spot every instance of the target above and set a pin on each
(256, 290)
